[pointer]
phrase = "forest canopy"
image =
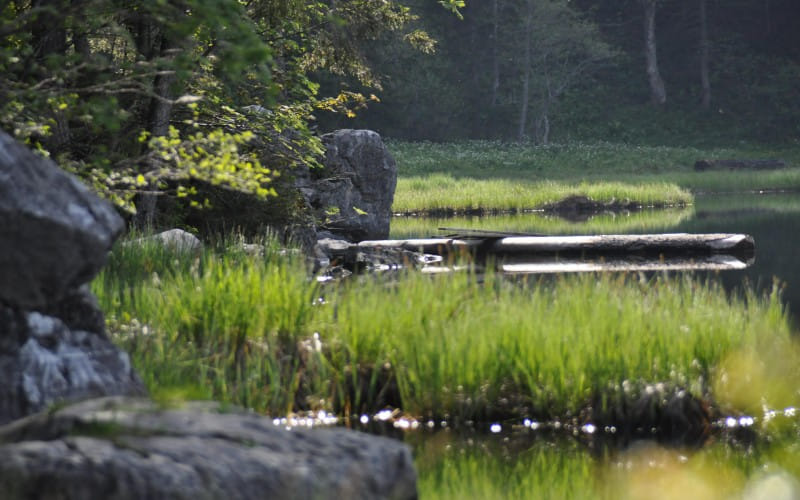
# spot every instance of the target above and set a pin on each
(137, 97)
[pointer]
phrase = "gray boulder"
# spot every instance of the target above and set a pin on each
(122, 449)
(173, 239)
(352, 195)
(54, 237)
(46, 359)
(54, 232)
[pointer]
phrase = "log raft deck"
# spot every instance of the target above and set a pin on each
(486, 244)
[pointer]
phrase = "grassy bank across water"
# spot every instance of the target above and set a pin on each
(443, 193)
(496, 175)
(261, 333)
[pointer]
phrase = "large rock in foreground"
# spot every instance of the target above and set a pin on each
(130, 449)
(352, 195)
(61, 354)
(54, 232)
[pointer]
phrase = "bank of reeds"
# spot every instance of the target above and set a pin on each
(443, 193)
(638, 221)
(261, 333)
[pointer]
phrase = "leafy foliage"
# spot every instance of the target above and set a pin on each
(139, 97)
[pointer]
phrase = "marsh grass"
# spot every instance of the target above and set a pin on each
(504, 176)
(639, 221)
(459, 346)
(223, 325)
(441, 192)
(259, 332)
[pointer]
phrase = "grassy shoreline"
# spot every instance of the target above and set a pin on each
(260, 333)
(502, 176)
(442, 193)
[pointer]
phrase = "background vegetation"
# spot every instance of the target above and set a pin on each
(561, 71)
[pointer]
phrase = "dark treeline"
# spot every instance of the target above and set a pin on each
(654, 71)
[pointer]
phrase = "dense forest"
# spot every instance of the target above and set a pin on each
(139, 97)
(643, 71)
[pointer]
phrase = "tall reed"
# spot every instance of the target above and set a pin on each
(260, 332)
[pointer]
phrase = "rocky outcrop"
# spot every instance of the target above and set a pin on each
(130, 449)
(352, 195)
(54, 237)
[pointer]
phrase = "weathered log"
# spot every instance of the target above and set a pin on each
(643, 244)
(762, 164)
(676, 243)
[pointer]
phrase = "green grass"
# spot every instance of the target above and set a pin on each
(444, 193)
(253, 332)
(495, 175)
(643, 221)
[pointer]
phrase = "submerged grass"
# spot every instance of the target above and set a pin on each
(542, 471)
(259, 332)
(568, 470)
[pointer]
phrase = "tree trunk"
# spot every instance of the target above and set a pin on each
(495, 51)
(543, 129)
(48, 34)
(705, 82)
(767, 17)
(158, 119)
(658, 94)
(49, 38)
(526, 76)
(80, 38)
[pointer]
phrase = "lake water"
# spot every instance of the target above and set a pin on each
(772, 219)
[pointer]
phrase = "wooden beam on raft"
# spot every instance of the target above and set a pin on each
(642, 244)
